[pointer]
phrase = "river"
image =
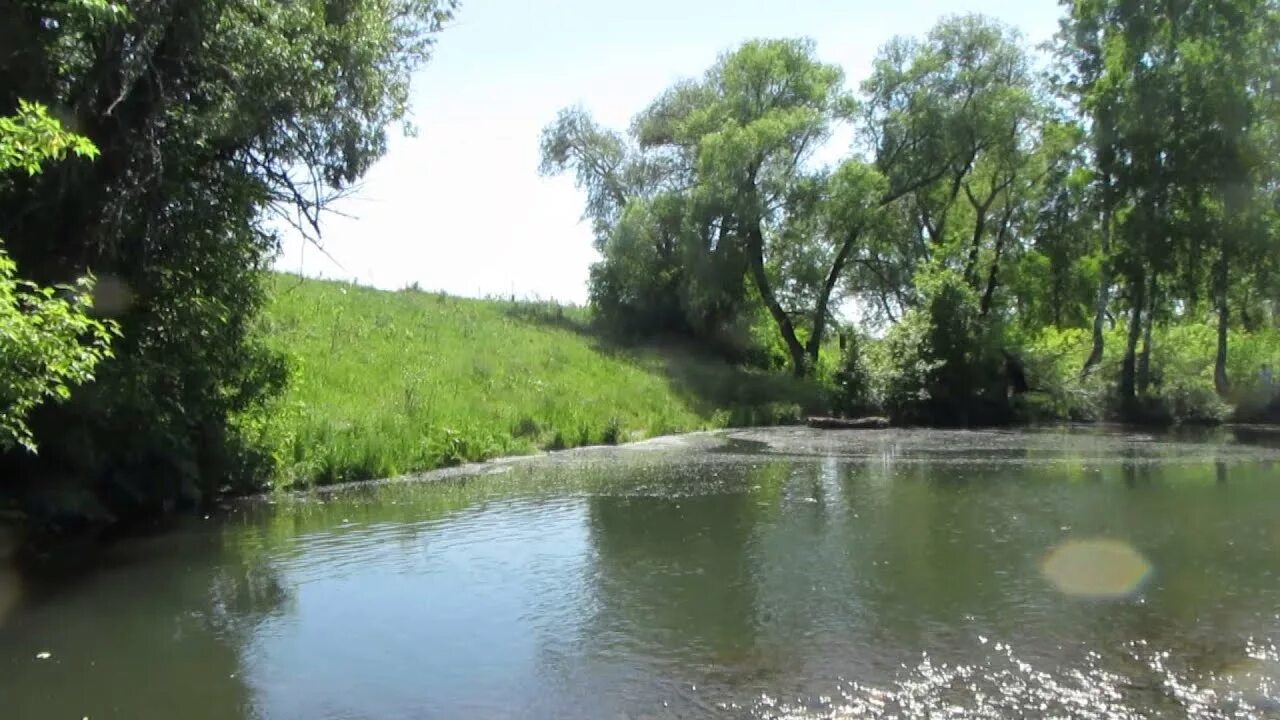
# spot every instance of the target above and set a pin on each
(781, 573)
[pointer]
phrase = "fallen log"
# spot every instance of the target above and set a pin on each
(862, 423)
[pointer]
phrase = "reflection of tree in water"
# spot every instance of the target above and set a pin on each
(945, 552)
(161, 634)
(676, 575)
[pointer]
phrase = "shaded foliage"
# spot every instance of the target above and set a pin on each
(48, 340)
(210, 117)
(946, 365)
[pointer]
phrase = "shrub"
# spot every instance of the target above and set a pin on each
(944, 361)
(48, 340)
(1052, 358)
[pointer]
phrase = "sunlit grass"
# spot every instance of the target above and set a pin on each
(386, 383)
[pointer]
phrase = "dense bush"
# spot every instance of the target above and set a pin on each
(1181, 388)
(945, 362)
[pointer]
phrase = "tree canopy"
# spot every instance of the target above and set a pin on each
(209, 119)
(1130, 180)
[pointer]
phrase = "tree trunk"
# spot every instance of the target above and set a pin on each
(993, 276)
(1144, 359)
(1220, 380)
(1128, 384)
(975, 247)
(820, 311)
(1104, 281)
(755, 256)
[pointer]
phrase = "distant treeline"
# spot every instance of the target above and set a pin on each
(990, 220)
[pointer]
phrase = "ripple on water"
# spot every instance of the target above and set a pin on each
(413, 547)
(1005, 686)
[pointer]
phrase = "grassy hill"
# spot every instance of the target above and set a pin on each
(388, 382)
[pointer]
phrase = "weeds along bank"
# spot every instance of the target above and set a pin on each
(385, 382)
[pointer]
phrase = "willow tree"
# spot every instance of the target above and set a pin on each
(666, 264)
(749, 128)
(954, 122)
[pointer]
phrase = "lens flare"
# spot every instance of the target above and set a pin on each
(1095, 568)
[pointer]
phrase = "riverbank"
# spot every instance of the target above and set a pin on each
(386, 383)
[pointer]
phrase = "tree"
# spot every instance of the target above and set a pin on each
(953, 122)
(729, 151)
(749, 127)
(1132, 196)
(211, 117)
(1228, 56)
(666, 267)
(1178, 98)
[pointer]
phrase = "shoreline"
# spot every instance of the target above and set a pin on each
(477, 467)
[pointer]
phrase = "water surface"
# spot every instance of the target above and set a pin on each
(751, 574)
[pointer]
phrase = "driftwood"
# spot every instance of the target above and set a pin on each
(862, 423)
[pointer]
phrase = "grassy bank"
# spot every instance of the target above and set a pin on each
(394, 382)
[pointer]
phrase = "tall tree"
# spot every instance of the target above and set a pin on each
(1178, 97)
(1082, 45)
(1119, 57)
(1228, 52)
(751, 125)
(953, 121)
(211, 117)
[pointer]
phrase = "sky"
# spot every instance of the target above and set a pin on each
(461, 207)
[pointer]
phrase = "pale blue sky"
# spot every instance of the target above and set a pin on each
(461, 207)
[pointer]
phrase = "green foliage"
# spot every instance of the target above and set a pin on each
(1153, 207)
(1182, 114)
(711, 192)
(214, 120)
(49, 343)
(978, 222)
(31, 138)
(1181, 391)
(1053, 357)
(854, 392)
(946, 365)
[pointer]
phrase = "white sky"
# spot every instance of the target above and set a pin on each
(461, 207)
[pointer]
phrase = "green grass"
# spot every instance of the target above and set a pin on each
(386, 383)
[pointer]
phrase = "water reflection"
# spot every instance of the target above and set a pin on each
(794, 574)
(144, 637)
(675, 575)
